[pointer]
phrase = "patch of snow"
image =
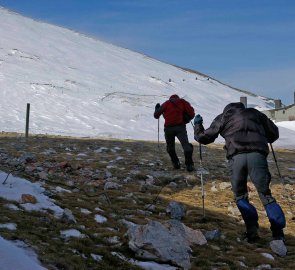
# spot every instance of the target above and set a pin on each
(72, 233)
(14, 188)
(98, 209)
(96, 257)
(100, 219)
(12, 206)
(85, 211)
(17, 256)
(60, 189)
(8, 226)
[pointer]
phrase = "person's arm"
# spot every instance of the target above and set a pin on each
(158, 110)
(271, 130)
(210, 134)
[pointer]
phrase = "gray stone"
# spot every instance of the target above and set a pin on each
(214, 189)
(213, 235)
(112, 185)
(233, 210)
(268, 256)
(68, 216)
(108, 174)
(278, 247)
(43, 175)
(263, 267)
(176, 210)
(224, 185)
(172, 185)
(165, 242)
(113, 240)
(27, 158)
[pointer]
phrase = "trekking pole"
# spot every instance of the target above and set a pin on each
(7, 177)
(159, 133)
(202, 182)
(200, 171)
(282, 181)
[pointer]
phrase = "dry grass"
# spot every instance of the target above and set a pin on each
(139, 159)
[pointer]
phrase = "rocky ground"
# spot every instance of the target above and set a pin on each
(107, 187)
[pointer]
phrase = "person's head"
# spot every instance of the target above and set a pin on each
(174, 96)
(234, 106)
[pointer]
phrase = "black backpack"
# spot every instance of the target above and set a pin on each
(185, 116)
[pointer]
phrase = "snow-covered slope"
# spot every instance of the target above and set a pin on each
(80, 86)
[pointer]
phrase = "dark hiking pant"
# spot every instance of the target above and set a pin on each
(181, 134)
(255, 166)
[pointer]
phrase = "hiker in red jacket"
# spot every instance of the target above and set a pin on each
(177, 112)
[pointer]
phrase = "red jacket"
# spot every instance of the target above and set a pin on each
(172, 111)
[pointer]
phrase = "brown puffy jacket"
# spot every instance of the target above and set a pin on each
(244, 130)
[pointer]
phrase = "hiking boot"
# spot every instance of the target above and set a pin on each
(190, 167)
(252, 234)
(176, 165)
(251, 237)
(278, 235)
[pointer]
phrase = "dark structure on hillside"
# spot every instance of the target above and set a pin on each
(282, 113)
(279, 113)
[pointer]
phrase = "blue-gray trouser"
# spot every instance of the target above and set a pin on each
(181, 134)
(255, 166)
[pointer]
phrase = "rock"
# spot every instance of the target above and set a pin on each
(96, 257)
(27, 158)
(233, 210)
(268, 256)
(68, 216)
(172, 185)
(77, 166)
(214, 189)
(176, 210)
(27, 198)
(128, 179)
(213, 235)
(146, 187)
(263, 267)
(224, 185)
(278, 247)
(144, 213)
(113, 240)
(250, 187)
(30, 168)
(165, 242)
(64, 164)
(215, 247)
(49, 151)
(242, 264)
(108, 174)
(43, 175)
(112, 185)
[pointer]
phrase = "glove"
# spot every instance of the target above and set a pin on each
(198, 120)
(157, 106)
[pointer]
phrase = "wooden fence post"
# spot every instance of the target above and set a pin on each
(27, 120)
